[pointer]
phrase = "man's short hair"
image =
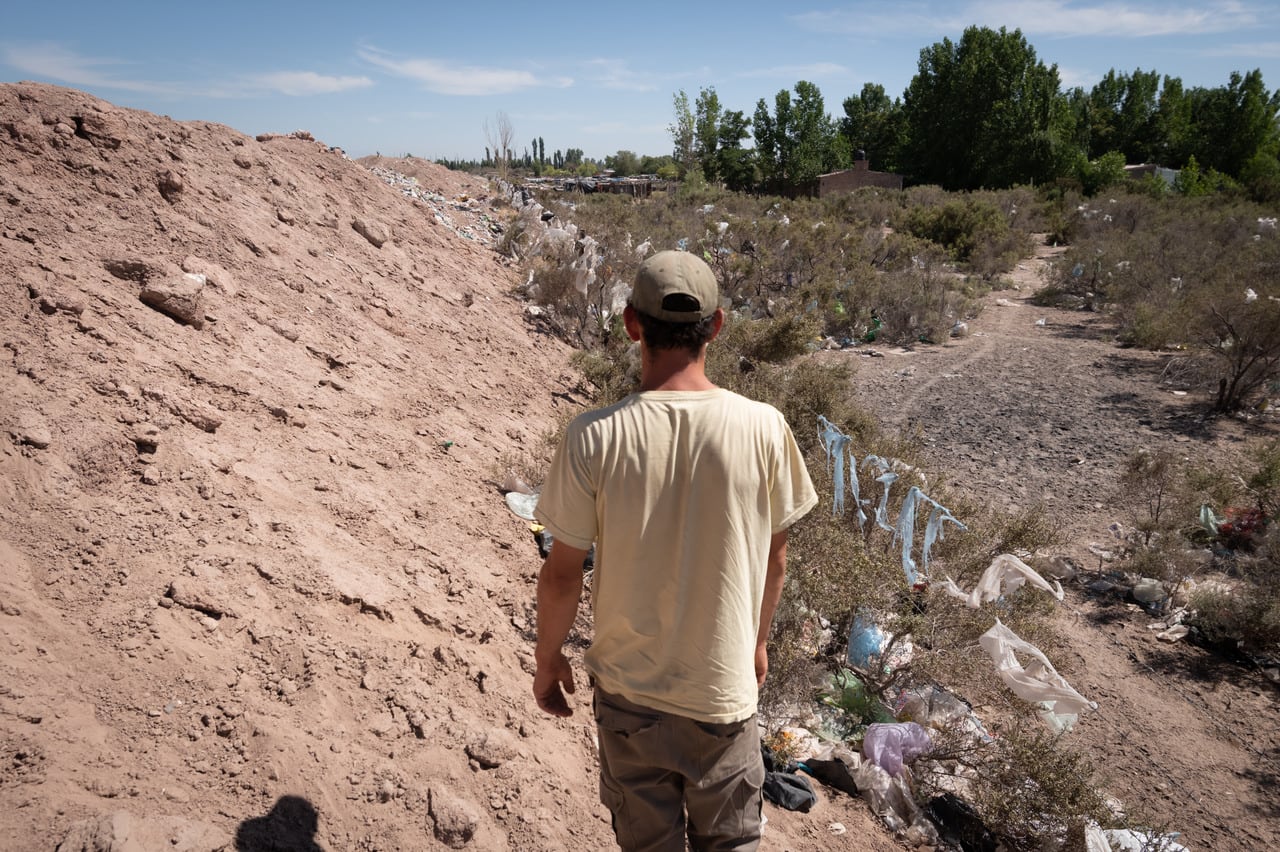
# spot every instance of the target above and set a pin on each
(660, 334)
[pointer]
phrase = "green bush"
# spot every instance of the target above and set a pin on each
(959, 225)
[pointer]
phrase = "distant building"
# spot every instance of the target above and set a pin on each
(847, 180)
(1143, 169)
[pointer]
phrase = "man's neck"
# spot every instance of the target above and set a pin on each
(674, 370)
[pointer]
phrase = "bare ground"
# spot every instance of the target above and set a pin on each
(258, 589)
(1040, 405)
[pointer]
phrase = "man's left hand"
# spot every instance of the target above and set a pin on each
(547, 683)
(762, 663)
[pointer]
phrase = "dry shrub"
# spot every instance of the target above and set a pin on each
(1246, 615)
(1029, 787)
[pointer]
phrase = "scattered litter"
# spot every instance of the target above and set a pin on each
(959, 823)
(837, 828)
(1039, 682)
(866, 641)
(1131, 840)
(1041, 323)
(891, 745)
(483, 228)
(1005, 575)
(521, 504)
(1150, 593)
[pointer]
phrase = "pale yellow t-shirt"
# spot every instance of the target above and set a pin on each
(681, 491)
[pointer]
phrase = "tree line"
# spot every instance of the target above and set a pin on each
(985, 112)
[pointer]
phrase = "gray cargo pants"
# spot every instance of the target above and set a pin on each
(663, 775)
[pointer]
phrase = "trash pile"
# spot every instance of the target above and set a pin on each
(864, 739)
(479, 225)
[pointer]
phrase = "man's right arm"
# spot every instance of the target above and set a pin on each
(559, 590)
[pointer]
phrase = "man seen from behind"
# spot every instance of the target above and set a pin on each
(687, 491)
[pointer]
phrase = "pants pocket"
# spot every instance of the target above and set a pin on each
(623, 722)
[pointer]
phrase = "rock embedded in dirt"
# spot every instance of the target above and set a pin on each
(491, 749)
(170, 185)
(177, 296)
(455, 819)
(191, 593)
(30, 428)
(373, 232)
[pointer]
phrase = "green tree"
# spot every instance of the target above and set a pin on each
(985, 112)
(706, 132)
(798, 141)
(1123, 115)
(1107, 170)
(735, 165)
(683, 133)
(623, 163)
(1233, 122)
(874, 124)
(1175, 133)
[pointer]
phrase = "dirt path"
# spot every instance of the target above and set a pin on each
(1033, 405)
(1040, 405)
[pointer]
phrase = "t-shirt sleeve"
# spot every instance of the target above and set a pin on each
(567, 504)
(791, 494)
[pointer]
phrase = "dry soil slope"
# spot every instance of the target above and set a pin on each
(308, 587)
(257, 583)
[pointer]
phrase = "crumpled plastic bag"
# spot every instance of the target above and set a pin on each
(1005, 575)
(1038, 682)
(891, 744)
(1098, 839)
(522, 505)
(890, 799)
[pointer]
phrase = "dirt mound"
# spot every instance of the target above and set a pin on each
(259, 589)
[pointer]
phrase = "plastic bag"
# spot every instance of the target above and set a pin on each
(1038, 682)
(1005, 575)
(891, 745)
(890, 799)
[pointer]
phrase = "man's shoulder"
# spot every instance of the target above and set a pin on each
(748, 405)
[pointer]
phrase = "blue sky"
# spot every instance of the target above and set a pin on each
(424, 78)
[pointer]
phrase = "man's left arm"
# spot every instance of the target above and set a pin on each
(559, 590)
(775, 575)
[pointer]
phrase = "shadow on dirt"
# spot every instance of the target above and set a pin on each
(1266, 775)
(290, 826)
(1197, 665)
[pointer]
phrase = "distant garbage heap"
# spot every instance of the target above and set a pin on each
(637, 186)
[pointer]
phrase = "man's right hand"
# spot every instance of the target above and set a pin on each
(547, 683)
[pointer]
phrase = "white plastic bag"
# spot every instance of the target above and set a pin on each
(1038, 682)
(891, 744)
(1005, 575)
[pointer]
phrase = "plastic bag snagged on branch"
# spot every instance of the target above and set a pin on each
(1006, 574)
(1038, 682)
(890, 745)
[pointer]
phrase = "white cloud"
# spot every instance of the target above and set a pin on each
(450, 78)
(1254, 50)
(1131, 19)
(813, 71)
(614, 74)
(54, 61)
(1070, 78)
(308, 83)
